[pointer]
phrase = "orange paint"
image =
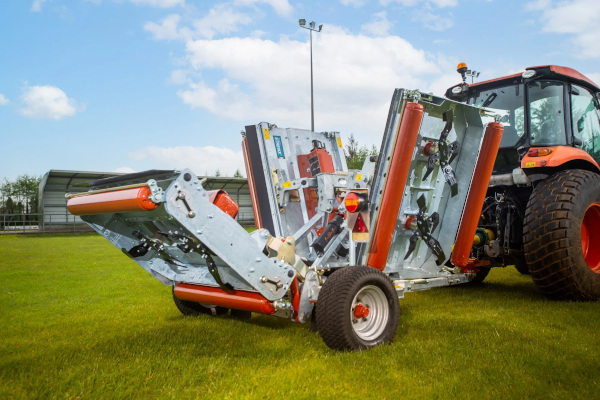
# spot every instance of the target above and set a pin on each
(221, 199)
(238, 299)
(385, 226)
(127, 200)
(559, 156)
(479, 185)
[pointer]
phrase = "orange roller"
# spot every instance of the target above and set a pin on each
(126, 200)
(238, 300)
(477, 192)
(394, 185)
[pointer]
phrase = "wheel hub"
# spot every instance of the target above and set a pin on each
(369, 313)
(590, 237)
(361, 311)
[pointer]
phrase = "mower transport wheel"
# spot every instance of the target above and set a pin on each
(561, 235)
(480, 276)
(193, 308)
(357, 308)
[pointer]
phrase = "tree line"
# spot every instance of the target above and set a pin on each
(20, 196)
(356, 154)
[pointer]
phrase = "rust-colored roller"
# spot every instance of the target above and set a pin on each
(394, 186)
(238, 299)
(475, 198)
(126, 200)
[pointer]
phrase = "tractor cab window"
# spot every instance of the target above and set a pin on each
(546, 114)
(584, 116)
(507, 102)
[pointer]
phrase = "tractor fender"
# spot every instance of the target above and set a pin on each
(561, 158)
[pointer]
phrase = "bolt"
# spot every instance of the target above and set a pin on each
(263, 279)
(192, 214)
(279, 285)
(257, 259)
(181, 196)
(354, 321)
(199, 231)
(210, 216)
(251, 270)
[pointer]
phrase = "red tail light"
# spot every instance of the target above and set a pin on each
(355, 202)
(539, 152)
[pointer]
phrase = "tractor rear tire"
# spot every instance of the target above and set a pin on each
(357, 308)
(193, 308)
(562, 235)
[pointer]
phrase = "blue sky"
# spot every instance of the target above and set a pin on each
(129, 85)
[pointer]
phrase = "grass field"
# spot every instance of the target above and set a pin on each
(81, 320)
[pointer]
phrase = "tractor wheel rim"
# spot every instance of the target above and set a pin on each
(373, 325)
(590, 237)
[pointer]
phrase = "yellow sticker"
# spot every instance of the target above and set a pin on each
(339, 140)
(287, 184)
(530, 164)
(359, 177)
(267, 136)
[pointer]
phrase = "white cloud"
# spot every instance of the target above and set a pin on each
(578, 18)
(424, 12)
(378, 26)
(3, 100)
(353, 3)
(354, 76)
(594, 76)
(124, 170)
(221, 19)
(281, 7)
(47, 102)
(410, 3)
(433, 21)
(168, 28)
(201, 160)
(159, 3)
(36, 6)
(538, 5)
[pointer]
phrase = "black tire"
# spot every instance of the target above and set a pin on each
(552, 235)
(193, 308)
(337, 306)
(480, 276)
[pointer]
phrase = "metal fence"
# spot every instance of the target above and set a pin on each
(61, 223)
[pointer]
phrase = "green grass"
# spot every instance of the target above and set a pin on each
(80, 320)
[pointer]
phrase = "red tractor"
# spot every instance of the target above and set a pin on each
(542, 210)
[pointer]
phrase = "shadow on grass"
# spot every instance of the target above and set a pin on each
(522, 290)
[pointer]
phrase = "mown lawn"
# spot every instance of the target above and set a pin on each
(81, 320)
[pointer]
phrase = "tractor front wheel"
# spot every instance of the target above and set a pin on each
(357, 308)
(562, 235)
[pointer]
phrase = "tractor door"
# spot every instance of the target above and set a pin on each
(585, 121)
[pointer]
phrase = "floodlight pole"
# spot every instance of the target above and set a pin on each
(311, 28)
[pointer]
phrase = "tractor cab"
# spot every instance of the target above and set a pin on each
(545, 106)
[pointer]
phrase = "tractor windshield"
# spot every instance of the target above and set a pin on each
(508, 102)
(545, 114)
